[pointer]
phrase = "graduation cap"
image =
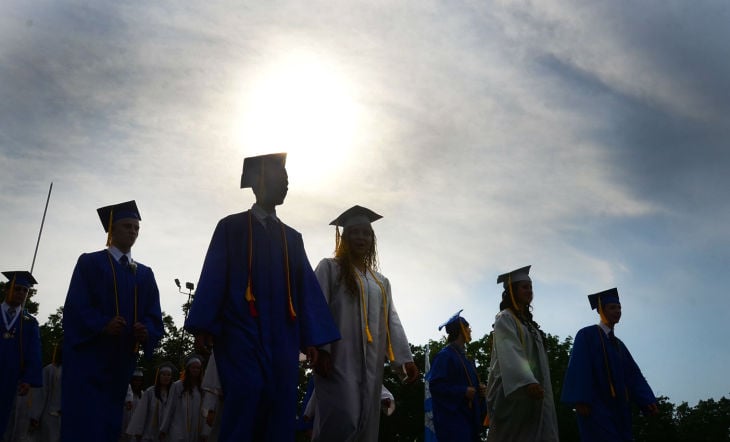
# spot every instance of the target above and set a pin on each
(452, 320)
(355, 215)
(600, 299)
(111, 214)
(254, 167)
(21, 278)
(138, 372)
(192, 358)
(522, 274)
(457, 324)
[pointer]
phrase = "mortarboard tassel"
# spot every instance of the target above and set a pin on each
(109, 228)
(251, 299)
(292, 312)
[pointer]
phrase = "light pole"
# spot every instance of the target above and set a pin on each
(189, 286)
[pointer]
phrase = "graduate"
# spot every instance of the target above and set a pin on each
(458, 396)
(50, 404)
(20, 345)
(519, 392)
(212, 407)
(350, 374)
(150, 411)
(259, 304)
(134, 395)
(183, 420)
(602, 379)
(112, 311)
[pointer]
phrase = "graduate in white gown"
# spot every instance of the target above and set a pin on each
(519, 394)
(145, 422)
(23, 425)
(134, 395)
(212, 408)
(183, 418)
(50, 416)
(349, 372)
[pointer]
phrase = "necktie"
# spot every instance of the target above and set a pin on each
(612, 338)
(270, 223)
(11, 313)
(124, 260)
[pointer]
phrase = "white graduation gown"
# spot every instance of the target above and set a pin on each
(183, 418)
(347, 406)
(518, 359)
(147, 416)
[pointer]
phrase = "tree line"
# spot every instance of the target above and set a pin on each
(707, 421)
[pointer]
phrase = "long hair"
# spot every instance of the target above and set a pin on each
(158, 385)
(344, 258)
(189, 383)
(524, 314)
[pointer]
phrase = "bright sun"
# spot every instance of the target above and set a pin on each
(302, 106)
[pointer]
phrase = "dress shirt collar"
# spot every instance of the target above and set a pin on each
(117, 254)
(261, 214)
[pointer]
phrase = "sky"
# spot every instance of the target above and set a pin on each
(588, 139)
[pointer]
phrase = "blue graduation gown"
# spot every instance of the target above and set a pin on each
(257, 357)
(454, 417)
(587, 381)
(97, 366)
(25, 331)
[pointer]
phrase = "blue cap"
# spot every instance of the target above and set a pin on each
(452, 320)
(21, 278)
(111, 214)
(253, 167)
(609, 296)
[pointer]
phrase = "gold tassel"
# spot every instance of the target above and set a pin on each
(367, 332)
(391, 355)
(109, 228)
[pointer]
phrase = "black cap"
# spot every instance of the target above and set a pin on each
(253, 167)
(355, 215)
(21, 278)
(111, 214)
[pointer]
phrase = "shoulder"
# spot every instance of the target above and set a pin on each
(328, 263)
(92, 256)
(504, 315)
(382, 278)
(30, 319)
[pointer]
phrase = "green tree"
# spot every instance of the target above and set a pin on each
(51, 336)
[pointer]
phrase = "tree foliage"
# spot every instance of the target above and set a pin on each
(709, 420)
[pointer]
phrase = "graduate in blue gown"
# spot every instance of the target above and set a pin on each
(20, 345)
(259, 302)
(458, 396)
(602, 379)
(112, 311)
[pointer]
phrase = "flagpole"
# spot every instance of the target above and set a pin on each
(41, 230)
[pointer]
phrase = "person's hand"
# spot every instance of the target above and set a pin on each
(128, 405)
(535, 391)
(651, 409)
(34, 423)
(210, 418)
(23, 388)
(323, 367)
(115, 326)
(162, 435)
(312, 355)
(470, 393)
(140, 332)
(204, 343)
(411, 372)
(583, 409)
(482, 390)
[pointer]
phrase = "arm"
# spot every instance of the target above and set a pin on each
(151, 318)
(83, 319)
(444, 381)
(204, 315)
(513, 361)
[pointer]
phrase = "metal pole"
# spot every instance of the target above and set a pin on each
(41, 230)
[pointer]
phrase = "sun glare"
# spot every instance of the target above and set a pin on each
(304, 107)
